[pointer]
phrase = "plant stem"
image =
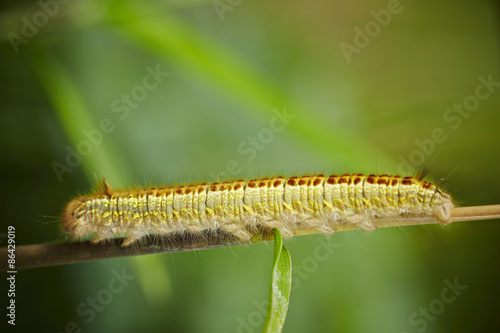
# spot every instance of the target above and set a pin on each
(42, 255)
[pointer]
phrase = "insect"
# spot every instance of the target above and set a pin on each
(240, 207)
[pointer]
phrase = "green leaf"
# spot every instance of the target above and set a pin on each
(281, 282)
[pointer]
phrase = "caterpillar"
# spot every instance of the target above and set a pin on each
(240, 207)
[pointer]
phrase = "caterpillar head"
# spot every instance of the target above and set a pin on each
(74, 220)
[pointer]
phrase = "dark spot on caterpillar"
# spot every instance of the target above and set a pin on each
(357, 180)
(188, 190)
(179, 191)
(291, 182)
(277, 183)
(252, 184)
(382, 181)
(237, 187)
(302, 182)
(407, 181)
(371, 179)
(213, 187)
(317, 181)
(394, 182)
(201, 189)
(343, 180)
(332, 180)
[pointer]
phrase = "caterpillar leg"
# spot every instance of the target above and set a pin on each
(361, 222)
(272, 224)
(99, 239)
(131, 239)
(280, 225)
(325, 229)
(319, 225)
(366, 225)
(237, 230)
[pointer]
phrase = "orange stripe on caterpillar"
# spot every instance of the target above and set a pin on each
(241, 207)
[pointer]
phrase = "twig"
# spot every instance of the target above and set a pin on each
(41, 255)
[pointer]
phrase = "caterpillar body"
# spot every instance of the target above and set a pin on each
(240, 207)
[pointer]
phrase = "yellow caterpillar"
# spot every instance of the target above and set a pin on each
(240, 207)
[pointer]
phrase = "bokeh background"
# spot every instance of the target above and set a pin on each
(230, 65)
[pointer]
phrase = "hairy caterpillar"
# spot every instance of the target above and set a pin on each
(239, 207)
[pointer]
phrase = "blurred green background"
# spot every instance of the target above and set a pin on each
(230, 65)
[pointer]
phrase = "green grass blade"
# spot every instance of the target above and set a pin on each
(281, 283)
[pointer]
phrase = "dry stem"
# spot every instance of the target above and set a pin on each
(41, 255)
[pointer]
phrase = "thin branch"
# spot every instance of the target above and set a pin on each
(42, 255)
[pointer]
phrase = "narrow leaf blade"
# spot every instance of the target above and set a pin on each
(281, 283)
